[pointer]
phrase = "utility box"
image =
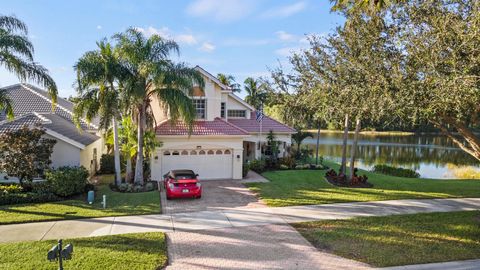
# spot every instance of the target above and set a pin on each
(90, 196)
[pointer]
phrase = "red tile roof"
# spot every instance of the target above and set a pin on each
(251, 125)
(200, 128)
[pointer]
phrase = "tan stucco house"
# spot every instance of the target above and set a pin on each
(225, 135)
(32, 106)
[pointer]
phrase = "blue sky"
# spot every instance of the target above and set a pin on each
(239, 37)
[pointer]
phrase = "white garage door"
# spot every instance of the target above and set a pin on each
(208, 163)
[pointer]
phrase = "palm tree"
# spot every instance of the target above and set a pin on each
(229, 81)
(16, 56)
(98, 73)
(256, 95)
(299, 137)
(127, 137)
(152, 73)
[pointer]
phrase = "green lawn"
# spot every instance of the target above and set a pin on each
(127, 251)
(399, 240)
(118, 204)
(303, 187)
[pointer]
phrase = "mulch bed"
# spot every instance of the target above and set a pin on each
(344, 184)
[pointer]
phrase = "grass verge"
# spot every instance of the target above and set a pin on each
(118, 204)
(399, 240)
(303, 187)
(127, 251)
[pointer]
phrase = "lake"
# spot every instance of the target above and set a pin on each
(433, 156)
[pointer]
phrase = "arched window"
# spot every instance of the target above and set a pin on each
(166, 153)
(175, 153)
(219, 152)
(184, 153)
(227, 152)
(201, 152)
(210, 152)
(193, 152)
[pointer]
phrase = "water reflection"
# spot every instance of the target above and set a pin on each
(433, 156)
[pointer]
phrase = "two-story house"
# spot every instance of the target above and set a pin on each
(225, 135)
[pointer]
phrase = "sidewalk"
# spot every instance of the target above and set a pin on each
(228, 218)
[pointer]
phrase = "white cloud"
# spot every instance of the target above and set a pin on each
(188, 39)
(284, 36)
(285, 11)
(182, 38)
(99, 27)
(207, 47)
(223, 10)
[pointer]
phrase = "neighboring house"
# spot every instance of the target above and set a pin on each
(32, 107)
(224, 136)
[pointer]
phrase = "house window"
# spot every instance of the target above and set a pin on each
(237, 113)
(200, 108)
(222, 110)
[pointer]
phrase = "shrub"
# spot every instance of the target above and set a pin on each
(245, 169)
(137, 188)
(123, 187)
(27, 197)
(288, 161)
(42, 188)
(394, 171)
(149, 186)
(257, 165)
(129, 188)
(107, 164)
(284, 167)
(319, 167)
(67, 181)
(13, 188)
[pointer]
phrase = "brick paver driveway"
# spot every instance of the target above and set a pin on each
(217, 194)
(253, 247)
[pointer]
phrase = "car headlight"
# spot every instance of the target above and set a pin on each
(198, 184)
(171, 186)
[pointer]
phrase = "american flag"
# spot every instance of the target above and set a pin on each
(259, 114)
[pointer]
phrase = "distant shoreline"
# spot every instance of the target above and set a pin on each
(367, 132)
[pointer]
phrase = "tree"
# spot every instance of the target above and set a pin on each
(99, 73)
(299, 137)
(24, 153)
(441, 79)
(152, 73)
(272, 144)
(256, 94)
(16, 56)
(353, 72)
(128, 141)
(363, 5)
(229, 81)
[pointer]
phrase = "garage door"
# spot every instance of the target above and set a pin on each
(208, 163)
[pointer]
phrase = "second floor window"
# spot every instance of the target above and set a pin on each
(237, 113)
(200, 108)
(222, 110)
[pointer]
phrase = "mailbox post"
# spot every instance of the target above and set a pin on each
(57, 253)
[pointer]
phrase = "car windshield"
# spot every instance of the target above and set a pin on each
(183, 176)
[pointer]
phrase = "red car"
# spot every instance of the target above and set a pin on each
(182, 184)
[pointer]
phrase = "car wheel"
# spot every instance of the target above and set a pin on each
(199, 197)
(169, 198)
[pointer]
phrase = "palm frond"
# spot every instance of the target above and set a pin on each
(11, 23)
(16, 43)
(6, 104)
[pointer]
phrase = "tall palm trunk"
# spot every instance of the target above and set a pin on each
(344, 149)
(141, 129)
(354, 149)
(318, 143)
(128, 168)
(116, 152)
